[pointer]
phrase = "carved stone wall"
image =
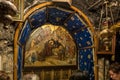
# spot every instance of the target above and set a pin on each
(6, 48)
(6, 39)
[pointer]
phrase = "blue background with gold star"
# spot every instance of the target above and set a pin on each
(73, 23)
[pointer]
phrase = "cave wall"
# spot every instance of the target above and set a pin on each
(7, 32)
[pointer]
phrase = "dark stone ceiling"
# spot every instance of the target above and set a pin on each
(92, 9)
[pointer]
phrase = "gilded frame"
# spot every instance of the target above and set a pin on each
(20, 7)
(50, 45)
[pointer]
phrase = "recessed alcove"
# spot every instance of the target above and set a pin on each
(69, 29)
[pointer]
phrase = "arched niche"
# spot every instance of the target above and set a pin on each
(71, 21)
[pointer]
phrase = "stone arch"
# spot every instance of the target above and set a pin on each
(75, 22)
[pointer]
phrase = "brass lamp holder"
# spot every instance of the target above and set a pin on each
(105, 33)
